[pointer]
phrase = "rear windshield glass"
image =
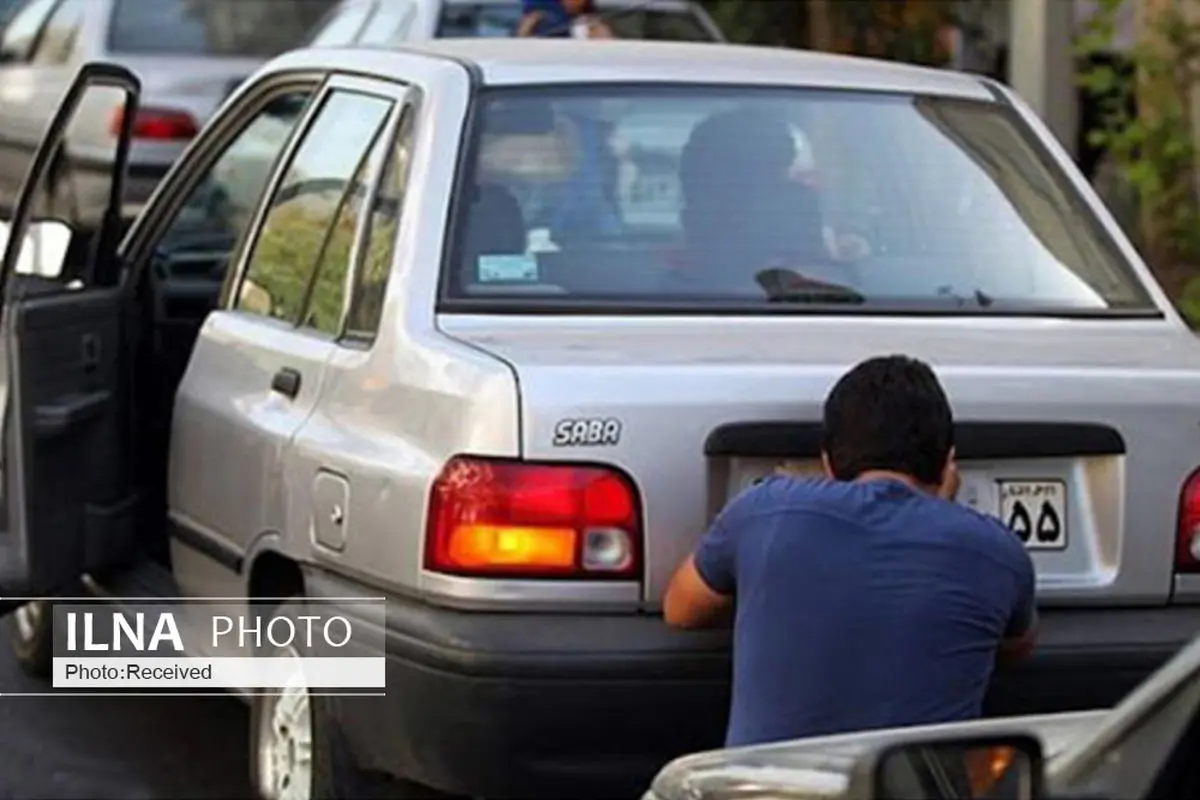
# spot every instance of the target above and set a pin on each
(470, 20)
(723, 195)
(249, 28)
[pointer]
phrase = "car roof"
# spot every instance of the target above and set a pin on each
(512, 61)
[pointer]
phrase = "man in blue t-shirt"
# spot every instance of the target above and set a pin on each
(869, 599)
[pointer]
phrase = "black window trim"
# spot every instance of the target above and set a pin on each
(383, 134)
(542, 306)
(403, 124)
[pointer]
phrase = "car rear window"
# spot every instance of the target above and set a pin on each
(690, 197)
(473, 20)
(246, 28)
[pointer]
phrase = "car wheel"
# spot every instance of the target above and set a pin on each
(296, 749)
(294, 752)
(32, 638)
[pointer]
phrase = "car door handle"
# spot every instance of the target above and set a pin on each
(286, 382)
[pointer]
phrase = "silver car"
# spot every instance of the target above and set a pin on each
(189, 54)
(376, 22)
(496, 326)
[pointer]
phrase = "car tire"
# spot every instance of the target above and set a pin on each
(334, 774)
(33, 639)
(289, 727)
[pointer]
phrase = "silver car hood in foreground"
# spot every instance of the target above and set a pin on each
(1074, 745)
(817, 769)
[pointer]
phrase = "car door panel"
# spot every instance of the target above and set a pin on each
(258, 367)
(66, 356)
(339, 452)
(230, 424)
(69, 490)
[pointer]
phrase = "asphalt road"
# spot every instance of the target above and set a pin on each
(117, 748)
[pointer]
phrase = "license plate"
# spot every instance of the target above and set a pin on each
(1036, 511)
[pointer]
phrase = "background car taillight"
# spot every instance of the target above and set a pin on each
(1187, 546)
(160, 124)
(501, 518)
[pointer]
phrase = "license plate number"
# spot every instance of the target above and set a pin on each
(1036, 511)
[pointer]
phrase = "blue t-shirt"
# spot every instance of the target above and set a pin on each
(861, 605)
(553, 19)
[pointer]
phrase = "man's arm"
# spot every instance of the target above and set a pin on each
(1021, 634)
(598, 29)
(700, 594)
(528, 23)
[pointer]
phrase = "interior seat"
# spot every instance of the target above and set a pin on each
(495, 225)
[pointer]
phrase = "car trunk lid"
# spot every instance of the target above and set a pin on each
(1090, 427)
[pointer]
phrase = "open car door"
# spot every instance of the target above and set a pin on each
(69, 493)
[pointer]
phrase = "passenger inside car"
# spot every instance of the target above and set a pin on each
(561, 169)
(654, 196)
(495, 228)
(740, 205)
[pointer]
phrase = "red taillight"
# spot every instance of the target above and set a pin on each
(161, 124)
(496, 518)
(1187, 538)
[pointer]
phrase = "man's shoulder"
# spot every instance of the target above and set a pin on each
(783, 485)
(796, 493)
(987, 533)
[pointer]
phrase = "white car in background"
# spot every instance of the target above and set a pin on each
(189, 55)
(378, 22)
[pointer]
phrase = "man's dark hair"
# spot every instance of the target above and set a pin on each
(888, 413)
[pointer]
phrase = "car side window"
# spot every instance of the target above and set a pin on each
(343, 27)
(21, 34)
(366, 300)
(300, 221)
(323, 310)
(58, 39)
(218, 209)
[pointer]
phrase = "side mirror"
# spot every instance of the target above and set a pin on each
(1007, 767)
(44, 251)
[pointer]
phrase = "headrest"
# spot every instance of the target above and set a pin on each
(495, 223)
(737, 146)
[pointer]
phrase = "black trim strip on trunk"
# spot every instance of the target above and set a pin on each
(973, 440)
(205, 543)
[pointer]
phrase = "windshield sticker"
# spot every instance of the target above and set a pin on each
(587, 432)
(522, 268)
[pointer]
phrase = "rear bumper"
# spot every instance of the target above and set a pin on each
(1091, 658)
(545, 705)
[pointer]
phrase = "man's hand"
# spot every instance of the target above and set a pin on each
(529, 23)
(1017, 648)
(951, 480)
(598, 29)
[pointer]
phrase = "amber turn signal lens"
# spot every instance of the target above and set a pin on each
(477, 546)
